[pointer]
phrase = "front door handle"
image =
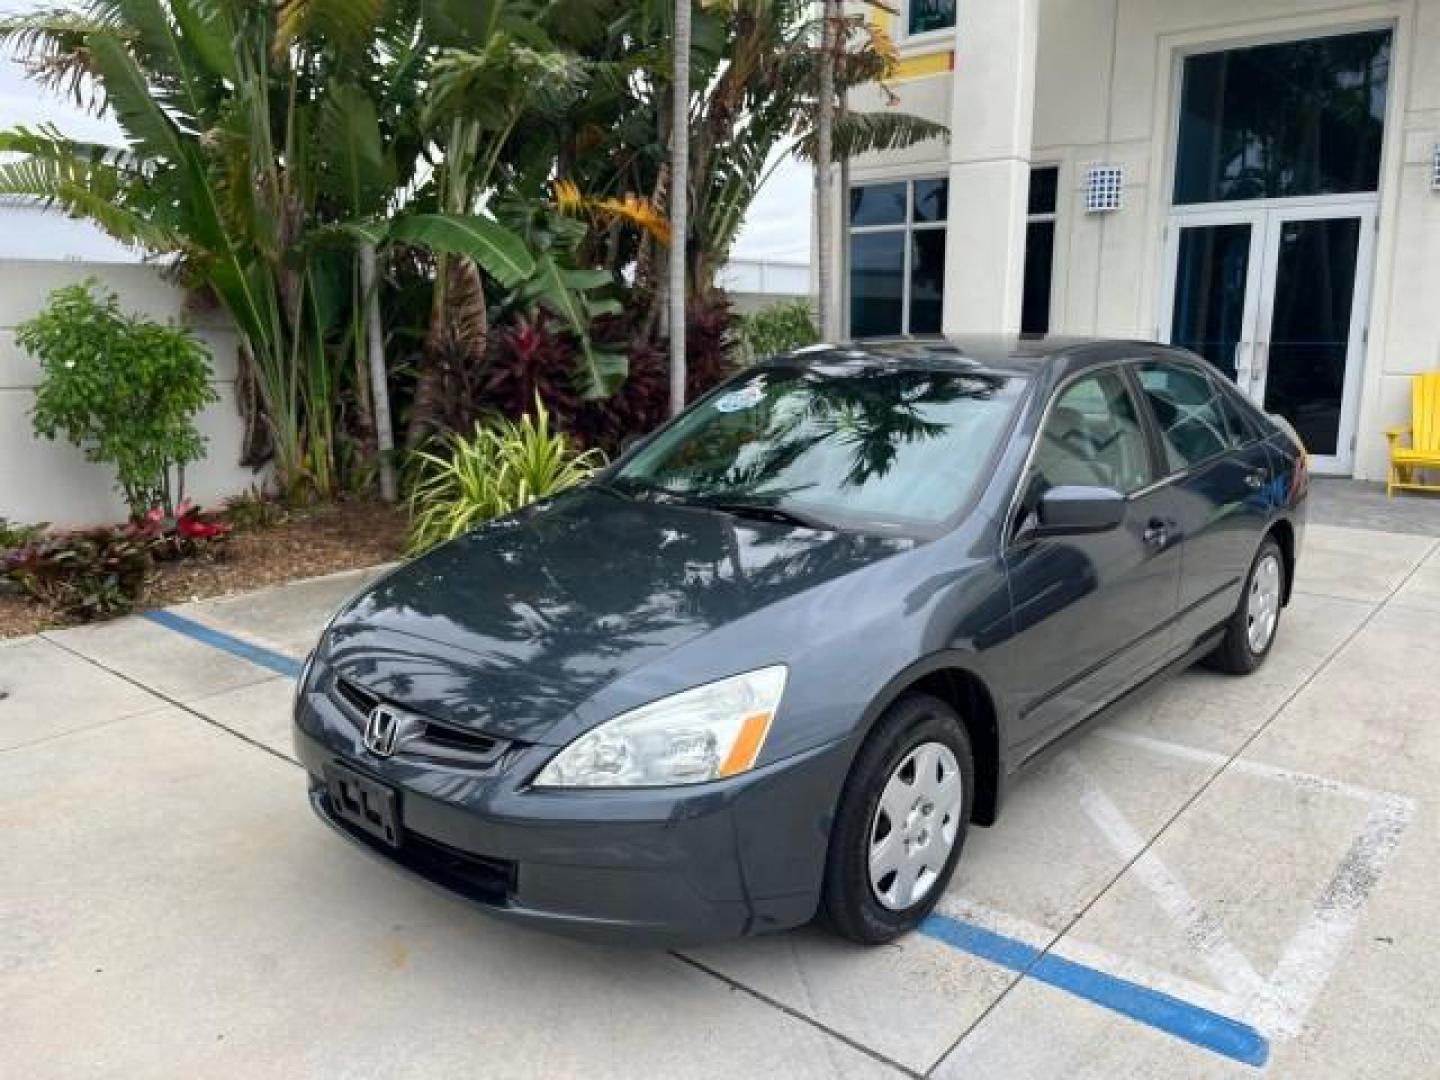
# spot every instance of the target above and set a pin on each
(1255, 480)
(1156, 534)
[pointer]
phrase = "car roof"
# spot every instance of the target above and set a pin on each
(1001, 354)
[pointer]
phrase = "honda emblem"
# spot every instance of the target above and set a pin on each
(382, 730)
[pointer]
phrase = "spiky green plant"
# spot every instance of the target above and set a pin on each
(500, 467)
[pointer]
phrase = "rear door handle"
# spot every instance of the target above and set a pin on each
(1156, 534)
(1255, 480)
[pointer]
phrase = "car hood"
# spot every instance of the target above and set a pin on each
(509, 628)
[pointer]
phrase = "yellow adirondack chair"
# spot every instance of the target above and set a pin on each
(1423, 451)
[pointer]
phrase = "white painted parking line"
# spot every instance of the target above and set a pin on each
(1203, 932)
(1278, 1005)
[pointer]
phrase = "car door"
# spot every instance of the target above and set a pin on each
(1090, 610)
(1217, 488)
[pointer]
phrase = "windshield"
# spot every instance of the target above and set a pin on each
(863, 446)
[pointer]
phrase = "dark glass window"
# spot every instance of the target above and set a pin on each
(1211, 276)
(877, 204)
(897, 258)
(932, 200)
(1187, 408)
(1039, 250)
(927, 280)
(1044, 187)
(1039, 263)
(877, 283)
(1310, 331)
(927, 15)
(1276, 121)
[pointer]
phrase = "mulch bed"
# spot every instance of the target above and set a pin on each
(310, 542)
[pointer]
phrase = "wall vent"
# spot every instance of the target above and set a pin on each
(1104, 185)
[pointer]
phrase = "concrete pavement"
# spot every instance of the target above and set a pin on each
(1228, 871)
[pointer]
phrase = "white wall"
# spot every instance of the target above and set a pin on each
(51, 481)
(1104, 93)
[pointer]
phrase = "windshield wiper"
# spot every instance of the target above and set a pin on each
(766, 512)
(609, 489)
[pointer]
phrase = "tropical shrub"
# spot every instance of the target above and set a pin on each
(253, 508)
(184, 534)
(712, 345)
(91, 574)
(777, 328)
(13, 535)
(501, 467)
(531, 359)
(122, 388)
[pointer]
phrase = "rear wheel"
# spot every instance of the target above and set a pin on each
(1251, 631)
(901, 822)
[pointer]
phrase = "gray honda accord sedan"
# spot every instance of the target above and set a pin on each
(779, 657)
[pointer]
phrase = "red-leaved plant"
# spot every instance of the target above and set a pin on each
(182, 535)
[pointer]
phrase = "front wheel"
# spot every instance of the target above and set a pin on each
(901, 822)
(1251, 631)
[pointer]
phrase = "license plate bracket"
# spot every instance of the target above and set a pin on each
(370, 806)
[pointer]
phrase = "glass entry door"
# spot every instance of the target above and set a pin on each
(1274, 298)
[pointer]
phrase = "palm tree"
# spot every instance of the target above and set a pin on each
(824, 156)
(679, 202)
(243, 142)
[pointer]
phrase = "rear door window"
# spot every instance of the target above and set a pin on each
(1189, 411)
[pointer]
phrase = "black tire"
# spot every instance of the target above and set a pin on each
(849, 904)
(1236, 654)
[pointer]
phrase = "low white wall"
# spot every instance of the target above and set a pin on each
(51, 481)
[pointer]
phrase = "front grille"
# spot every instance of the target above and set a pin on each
(435, 741)
(358, 698)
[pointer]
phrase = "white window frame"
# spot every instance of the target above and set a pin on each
(909, 226)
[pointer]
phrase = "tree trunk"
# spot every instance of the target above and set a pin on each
(824, 194)
(840, 317)
(379, 385)
(679, 202)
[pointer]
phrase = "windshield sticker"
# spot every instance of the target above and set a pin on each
(747, 397)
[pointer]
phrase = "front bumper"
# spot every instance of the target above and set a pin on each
(730, 858)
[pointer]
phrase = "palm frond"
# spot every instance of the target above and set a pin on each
(869, 133)
(50, 45)
(344, 24)
(92, 190)
(209, 31)
(351, 157)
(133, 99)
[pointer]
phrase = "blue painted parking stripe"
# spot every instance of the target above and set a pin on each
(1200, 1027)
(218, 639)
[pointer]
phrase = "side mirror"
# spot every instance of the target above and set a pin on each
(1074, 510)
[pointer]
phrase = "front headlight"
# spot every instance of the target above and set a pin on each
(712, 731)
